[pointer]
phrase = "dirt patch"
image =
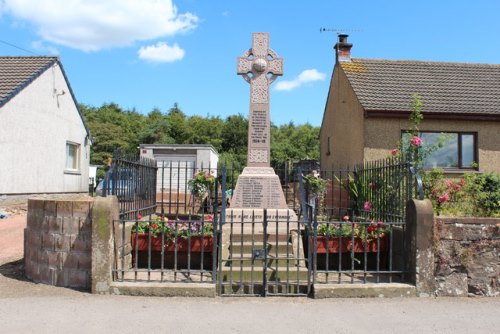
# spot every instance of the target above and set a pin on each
(13, 283)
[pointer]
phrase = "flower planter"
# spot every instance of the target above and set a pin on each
(335, 253)
(346, 244)
(181, 254)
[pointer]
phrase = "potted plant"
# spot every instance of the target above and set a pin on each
(201, 185)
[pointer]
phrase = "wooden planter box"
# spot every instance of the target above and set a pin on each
(190, 252)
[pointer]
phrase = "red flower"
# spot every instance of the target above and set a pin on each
(139, 216)
(416, 141)
(394, 152)
(444, 198)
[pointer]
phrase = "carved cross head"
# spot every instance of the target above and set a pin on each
(260, 61)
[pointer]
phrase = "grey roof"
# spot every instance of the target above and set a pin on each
(17, 72)
(461, 88)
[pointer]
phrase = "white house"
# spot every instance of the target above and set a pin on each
(44, 141)
(180, 162)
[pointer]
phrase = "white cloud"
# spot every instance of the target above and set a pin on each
(91, 25)
(305, 77)
(161, 53)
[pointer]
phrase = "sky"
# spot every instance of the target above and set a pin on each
(146, 54)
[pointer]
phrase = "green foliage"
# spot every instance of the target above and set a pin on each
(445, 194)
(411, 144)
(175, 229)
(315, 183)
(114, 128)
(202, 183)
(473, 195)
(484, 193)
(292, 143)
(367, 231)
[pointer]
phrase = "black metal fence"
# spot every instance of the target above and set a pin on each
(350, 227)
(355, 221)
(160, 249)
(132, 179)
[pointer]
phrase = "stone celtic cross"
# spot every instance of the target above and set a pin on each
(259, 66)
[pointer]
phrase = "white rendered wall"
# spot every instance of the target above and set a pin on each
(34, 128)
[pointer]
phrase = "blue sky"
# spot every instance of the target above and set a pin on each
(144, 54)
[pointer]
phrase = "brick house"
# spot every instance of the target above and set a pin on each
(369, 102)
(44, 142)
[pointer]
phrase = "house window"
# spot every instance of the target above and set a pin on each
(458, 149)
(72, 156)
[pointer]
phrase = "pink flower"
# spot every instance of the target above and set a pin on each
(367, 206)
(346, 218)
(139, 216)
(416, 141)
(444, 198)
(394, 152)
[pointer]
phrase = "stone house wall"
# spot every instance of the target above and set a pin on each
(467, 261)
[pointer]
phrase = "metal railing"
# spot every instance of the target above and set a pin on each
(132, 179)
(159, 249)
(355, 227)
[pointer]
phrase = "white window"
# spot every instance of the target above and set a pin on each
(72, 156)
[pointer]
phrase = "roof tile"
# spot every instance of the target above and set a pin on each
(461, 88)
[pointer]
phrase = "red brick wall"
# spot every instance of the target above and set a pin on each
(57, 242)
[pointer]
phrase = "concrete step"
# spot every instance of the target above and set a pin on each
(258, 288)
(273, 274)
(247, 261)
(246, 247)
(249, 237)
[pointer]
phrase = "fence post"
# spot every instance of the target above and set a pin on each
(105, 211)
(419, 255)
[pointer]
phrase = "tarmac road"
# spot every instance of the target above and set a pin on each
(26, 307)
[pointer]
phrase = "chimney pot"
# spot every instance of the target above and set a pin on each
(343, 38)
(343, 49)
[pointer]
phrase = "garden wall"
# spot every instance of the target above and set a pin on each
(467, 256)
(58, 242)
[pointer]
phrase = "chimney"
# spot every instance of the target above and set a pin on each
(343, 49)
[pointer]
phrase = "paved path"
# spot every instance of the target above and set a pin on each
(26, 307)
(84, 313)
(12, 238)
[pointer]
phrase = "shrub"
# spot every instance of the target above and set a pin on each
(483, 191)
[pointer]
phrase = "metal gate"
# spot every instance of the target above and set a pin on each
(262, 254)
(350, 228)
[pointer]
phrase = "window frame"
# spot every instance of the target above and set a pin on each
(459, 148)
(76, 165)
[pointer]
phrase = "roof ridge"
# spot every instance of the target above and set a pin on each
(421, 62)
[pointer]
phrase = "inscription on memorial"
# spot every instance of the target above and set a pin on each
(259, 192)
(258, 127)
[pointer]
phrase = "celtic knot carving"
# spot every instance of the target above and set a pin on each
(260, 94)
(258, 156)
